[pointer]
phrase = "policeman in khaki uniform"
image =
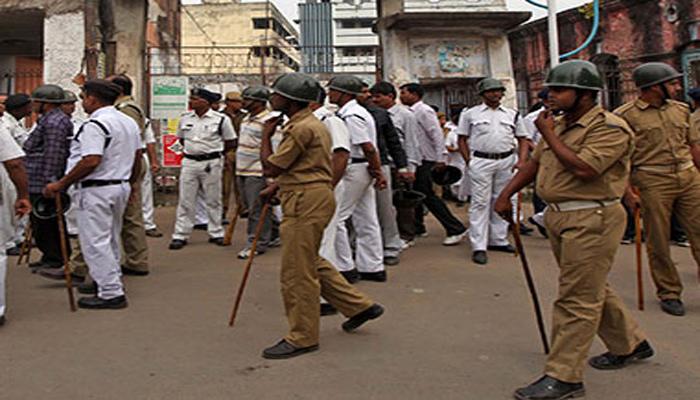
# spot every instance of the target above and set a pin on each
(302, 166)
(205, 134)
(581, 166)
(665, 166)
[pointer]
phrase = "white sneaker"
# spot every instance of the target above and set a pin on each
(454, 239)
(245, 254)
(405, 244)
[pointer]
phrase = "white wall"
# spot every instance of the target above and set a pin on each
(64, 45)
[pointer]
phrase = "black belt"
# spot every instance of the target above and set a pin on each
(358, 160)
(493, 156)
(102, 182)
(203, 157)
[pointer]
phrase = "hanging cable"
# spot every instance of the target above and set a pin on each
(591, 36)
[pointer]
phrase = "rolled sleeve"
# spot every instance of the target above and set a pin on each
(603, 146)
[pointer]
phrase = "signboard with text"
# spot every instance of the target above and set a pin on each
(172, 151)
(169, 96)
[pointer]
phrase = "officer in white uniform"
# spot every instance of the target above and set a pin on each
(14, 199)
(105, 156)
(487, 143)
(205, 134)
(151, 162)
(357, 198)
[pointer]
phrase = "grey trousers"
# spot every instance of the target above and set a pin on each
(386, 212)
(250, 188)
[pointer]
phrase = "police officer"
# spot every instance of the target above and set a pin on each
(17, 106)
(357, 199)
(581, 166)
(205, 134)
(14, 200)
(665, 166)
(249, 174)
(487, 143)
(104, 162)
(151, 165)
(302, 166)
(234, 110)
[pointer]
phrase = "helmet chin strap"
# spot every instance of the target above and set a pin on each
(667, 96)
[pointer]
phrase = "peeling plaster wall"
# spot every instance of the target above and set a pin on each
(130, 33)
(502, 68)
(50, 7)
(64, 45)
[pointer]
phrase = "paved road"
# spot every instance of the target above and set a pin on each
(452, 331)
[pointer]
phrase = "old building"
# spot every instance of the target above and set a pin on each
(223, 40)
(448, 46)
(631, 32)
(45, 41)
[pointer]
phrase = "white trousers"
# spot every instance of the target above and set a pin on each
(463, 189)
(195, 176)
(71, 216)
(147, 197)
(488, 178)
(200, 213)
(3, 273)
(357, 200)
(100, 213)
(7, 201)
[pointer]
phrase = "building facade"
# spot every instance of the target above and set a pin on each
(448, 46)
(228, 38)
(337, 37)
(631, 32)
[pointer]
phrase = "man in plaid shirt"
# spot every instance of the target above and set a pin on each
(47, 152)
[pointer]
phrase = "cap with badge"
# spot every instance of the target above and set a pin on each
(234, 96)
(16, 101)
(205, 94)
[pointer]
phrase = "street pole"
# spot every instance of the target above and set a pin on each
(553, 33)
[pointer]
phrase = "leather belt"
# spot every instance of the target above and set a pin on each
(101, 182)
(493, 156)
(355, 160)
(203, 157)
(665, 169)
(576, 205)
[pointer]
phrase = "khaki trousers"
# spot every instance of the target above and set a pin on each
(663, 195)
(584, 243)
(304, 274)
(228, 180)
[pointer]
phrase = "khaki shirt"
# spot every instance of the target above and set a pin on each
(604, 142)
(304, 152)
(695, 127)
(128, 106)
(236, 120)
(662, 135)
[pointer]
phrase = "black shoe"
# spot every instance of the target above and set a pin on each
(284, 350)
(2, 320)
(97, 303)
(548, 388)
(673, 307)
(328, 309)
(154, 233)
(627, 240)
(57, 274)
(134, 272)
(480, 257)
(225, 221)
(177, 244)
(541, 229)
(503, 249)
(391, 260)
(43, 265)
(525, 230)
(351, 276)
(14, 251)
(200, 227)
(373, 276)
(87, 288)
(217, 241)
(611, 361)
(373, 312)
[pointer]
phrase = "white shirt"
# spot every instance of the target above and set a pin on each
(526, 127)
(9, 150)
(17, 131)
(117, 153)
(248, 161)
(489, 130)
(406, 125)
(431, 140)
(149, 137)
(453, 158)
(360, 126)
(340, 138)
(206, 134)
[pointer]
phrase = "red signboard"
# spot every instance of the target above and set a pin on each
(172, 151)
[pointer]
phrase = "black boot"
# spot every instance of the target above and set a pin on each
(283, 350)
(611, 361)
(548, 388)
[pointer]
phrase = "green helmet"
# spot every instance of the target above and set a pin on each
(257, 93)
(48, 94)
(69, 97)
(577, 74)
(297, 86)
(654, 73)
(347, 84)
(490, 84)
